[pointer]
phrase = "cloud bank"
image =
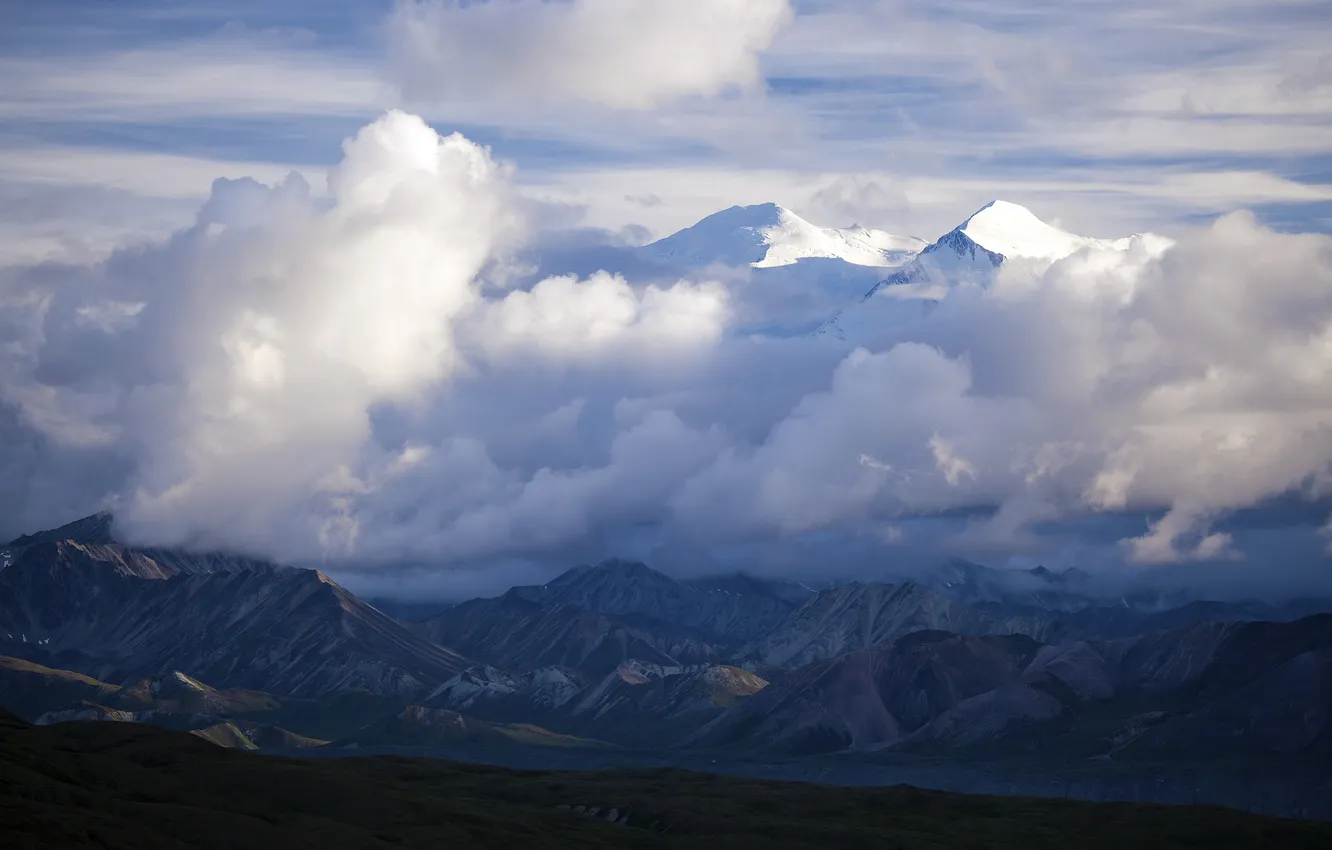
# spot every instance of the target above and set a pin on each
(346, 380)
(622, 54)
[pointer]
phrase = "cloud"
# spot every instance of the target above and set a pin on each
(249, 350)
(338, 378)
(227, 74)
(861, 198)
(1184, 378)
(564, 316)
(622, 54)
(952, 105)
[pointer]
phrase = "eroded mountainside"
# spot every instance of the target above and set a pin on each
(962, 662)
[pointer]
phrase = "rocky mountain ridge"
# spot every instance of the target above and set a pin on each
(962, 658)
(116, 614)
(1201, 689)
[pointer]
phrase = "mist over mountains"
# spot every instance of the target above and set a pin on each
(754, 393)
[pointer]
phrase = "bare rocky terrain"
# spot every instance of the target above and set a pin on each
(967, 679)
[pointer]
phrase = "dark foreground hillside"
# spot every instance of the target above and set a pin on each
(121, 785)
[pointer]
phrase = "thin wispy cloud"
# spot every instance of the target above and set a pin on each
(1096, 97)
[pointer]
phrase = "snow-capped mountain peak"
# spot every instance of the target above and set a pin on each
(768, 235)
(1011, 230)
(972, 252)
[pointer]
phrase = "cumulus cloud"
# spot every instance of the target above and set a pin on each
(335, 378)
(239, 362)
(1190, 378)
(623, 54)
(565, 316)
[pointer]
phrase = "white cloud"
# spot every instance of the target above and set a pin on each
(271, 328)
(954, 468)
(563, 316)
(1188, 380)
(855, 198)
(942, 107)
(624, 54)
(308, 376)
(68, 204)
(226, 75)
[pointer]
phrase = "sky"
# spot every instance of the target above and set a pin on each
(319, 281)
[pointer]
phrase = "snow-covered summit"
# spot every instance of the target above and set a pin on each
(999, 233)
(1011, 230)
(767, 235)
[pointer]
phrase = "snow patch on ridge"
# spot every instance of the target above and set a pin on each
(794, 239)
(768, 235)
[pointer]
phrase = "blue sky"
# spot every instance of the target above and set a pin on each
(1106, 117)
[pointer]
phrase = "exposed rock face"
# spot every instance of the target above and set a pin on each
(118, 614)
(637, 691)
(495, 692)
(731, 613)
(100, 630)
(516, 633)
(91, 530)
(181, 694)
(873, 696)
(634, 703)
(227, 735)
(91, 711)
(1237, 688)
(175, 701)
(857, 616)
(98, 531)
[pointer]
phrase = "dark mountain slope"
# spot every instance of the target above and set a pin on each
(30, 690)
(99, 530)
(872, 696)
(518, 634)
(640, 705)
(1199, 692)
(92, 530)
(116, 614)
(734, 613)
(857, 616)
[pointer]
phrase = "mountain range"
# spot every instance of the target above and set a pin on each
(769, 235)
(114, 612)
(1000, 234)
(961, 659)
(788, 277)
(1209, 687)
